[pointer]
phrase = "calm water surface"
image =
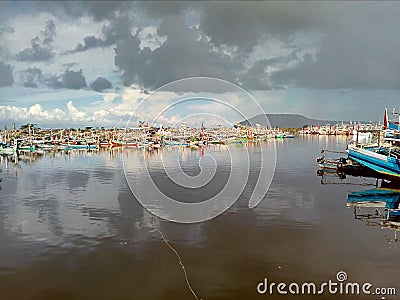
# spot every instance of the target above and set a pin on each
(70, 228)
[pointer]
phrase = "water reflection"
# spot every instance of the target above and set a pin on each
(69, 221)
(53, 199)
(64, 200)
(377, 207)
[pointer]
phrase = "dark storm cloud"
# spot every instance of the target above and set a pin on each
(200, 51)
(34, 77)
(41, 46)
(4, 52)
(256, 78)
(100, 84)
(6, 77)
(53, 81)
(69, 79)
(185, 53)
(34, 54)
(357, 53)
(127, 57)
(74, 80)
(88, 43)
(242, 24)
(98, 10)
(31, 77)
(106, 10)
(355, 45)
(161, 9)
(70, 65)
(117, 30)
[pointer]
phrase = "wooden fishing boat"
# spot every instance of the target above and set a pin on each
(382, 158)
(45, 146)
(379, 158)
(79, 146)
(118, 143)
(105, 143)
(26, 148)
(8, 150)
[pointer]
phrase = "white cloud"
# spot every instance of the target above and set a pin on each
(34, 113)
(37, 114)
(110, 97)
(98, 114)
(76, 115)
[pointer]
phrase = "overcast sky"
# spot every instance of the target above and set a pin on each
(89, 63)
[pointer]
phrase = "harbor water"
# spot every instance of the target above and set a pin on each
(71, 228)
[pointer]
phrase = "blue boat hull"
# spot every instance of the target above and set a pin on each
(383, 164)
(390, 197)
(79, 147)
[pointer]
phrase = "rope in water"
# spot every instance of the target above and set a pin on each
(179, 260)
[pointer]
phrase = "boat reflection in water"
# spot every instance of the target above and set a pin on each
(377, 207)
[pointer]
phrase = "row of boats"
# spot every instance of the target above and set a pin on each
(340, 129)
(146, 137)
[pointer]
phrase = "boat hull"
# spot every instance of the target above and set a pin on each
(380, 163)
(123, 144)
(79, 147)
(7, 151)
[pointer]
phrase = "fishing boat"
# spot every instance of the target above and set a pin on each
(79, 146)
(390, 124)
(119, 143)
(26, 148)
(45, 146)
(328, 163)
(383, 158)
(175, 143)
(216, 142)
(104, 143)
(362, 135)
(7, 150)
(156, 145)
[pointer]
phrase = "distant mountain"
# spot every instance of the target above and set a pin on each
(285, 121)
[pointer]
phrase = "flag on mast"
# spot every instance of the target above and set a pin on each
(385, 120)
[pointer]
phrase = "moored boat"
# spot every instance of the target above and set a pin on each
(381, 159)
(7, 150)
(105, 143)
(26, 148)
(78, 146)
(118, 143)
